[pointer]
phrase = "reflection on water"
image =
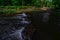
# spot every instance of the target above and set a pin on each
(45, 17)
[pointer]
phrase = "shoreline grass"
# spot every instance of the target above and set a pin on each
(17, 9)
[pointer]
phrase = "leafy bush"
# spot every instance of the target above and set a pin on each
(11, 9)
(7, 11)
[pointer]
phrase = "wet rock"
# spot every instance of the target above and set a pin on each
(12, 25)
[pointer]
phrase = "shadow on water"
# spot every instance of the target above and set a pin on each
(44, 23)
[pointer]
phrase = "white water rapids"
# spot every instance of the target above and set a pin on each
(18, 33)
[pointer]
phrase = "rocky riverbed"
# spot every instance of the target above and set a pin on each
(11, 27)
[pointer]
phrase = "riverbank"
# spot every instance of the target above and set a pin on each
(18, 9)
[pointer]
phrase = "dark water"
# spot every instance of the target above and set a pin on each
(40, 20)
(47, 25)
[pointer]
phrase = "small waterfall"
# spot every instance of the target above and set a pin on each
(18, 33)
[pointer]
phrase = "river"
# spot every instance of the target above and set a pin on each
(12, 27)
(44, 23)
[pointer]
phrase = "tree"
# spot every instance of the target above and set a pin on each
(36, 3)
(56, 3)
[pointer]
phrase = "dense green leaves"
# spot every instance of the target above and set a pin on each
(56, 3)
(10, 6)
(38, 3)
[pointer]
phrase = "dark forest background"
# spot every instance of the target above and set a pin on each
(48, 3)
(9, 6)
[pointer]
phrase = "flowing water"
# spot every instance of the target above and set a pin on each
(11, 28)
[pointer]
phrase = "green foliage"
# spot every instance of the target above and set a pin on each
(15, 2)
(25, 3)
(12, 5)
(7, 11)
(11, 9)
(56, 3)
(36, 3)
(48, 3)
